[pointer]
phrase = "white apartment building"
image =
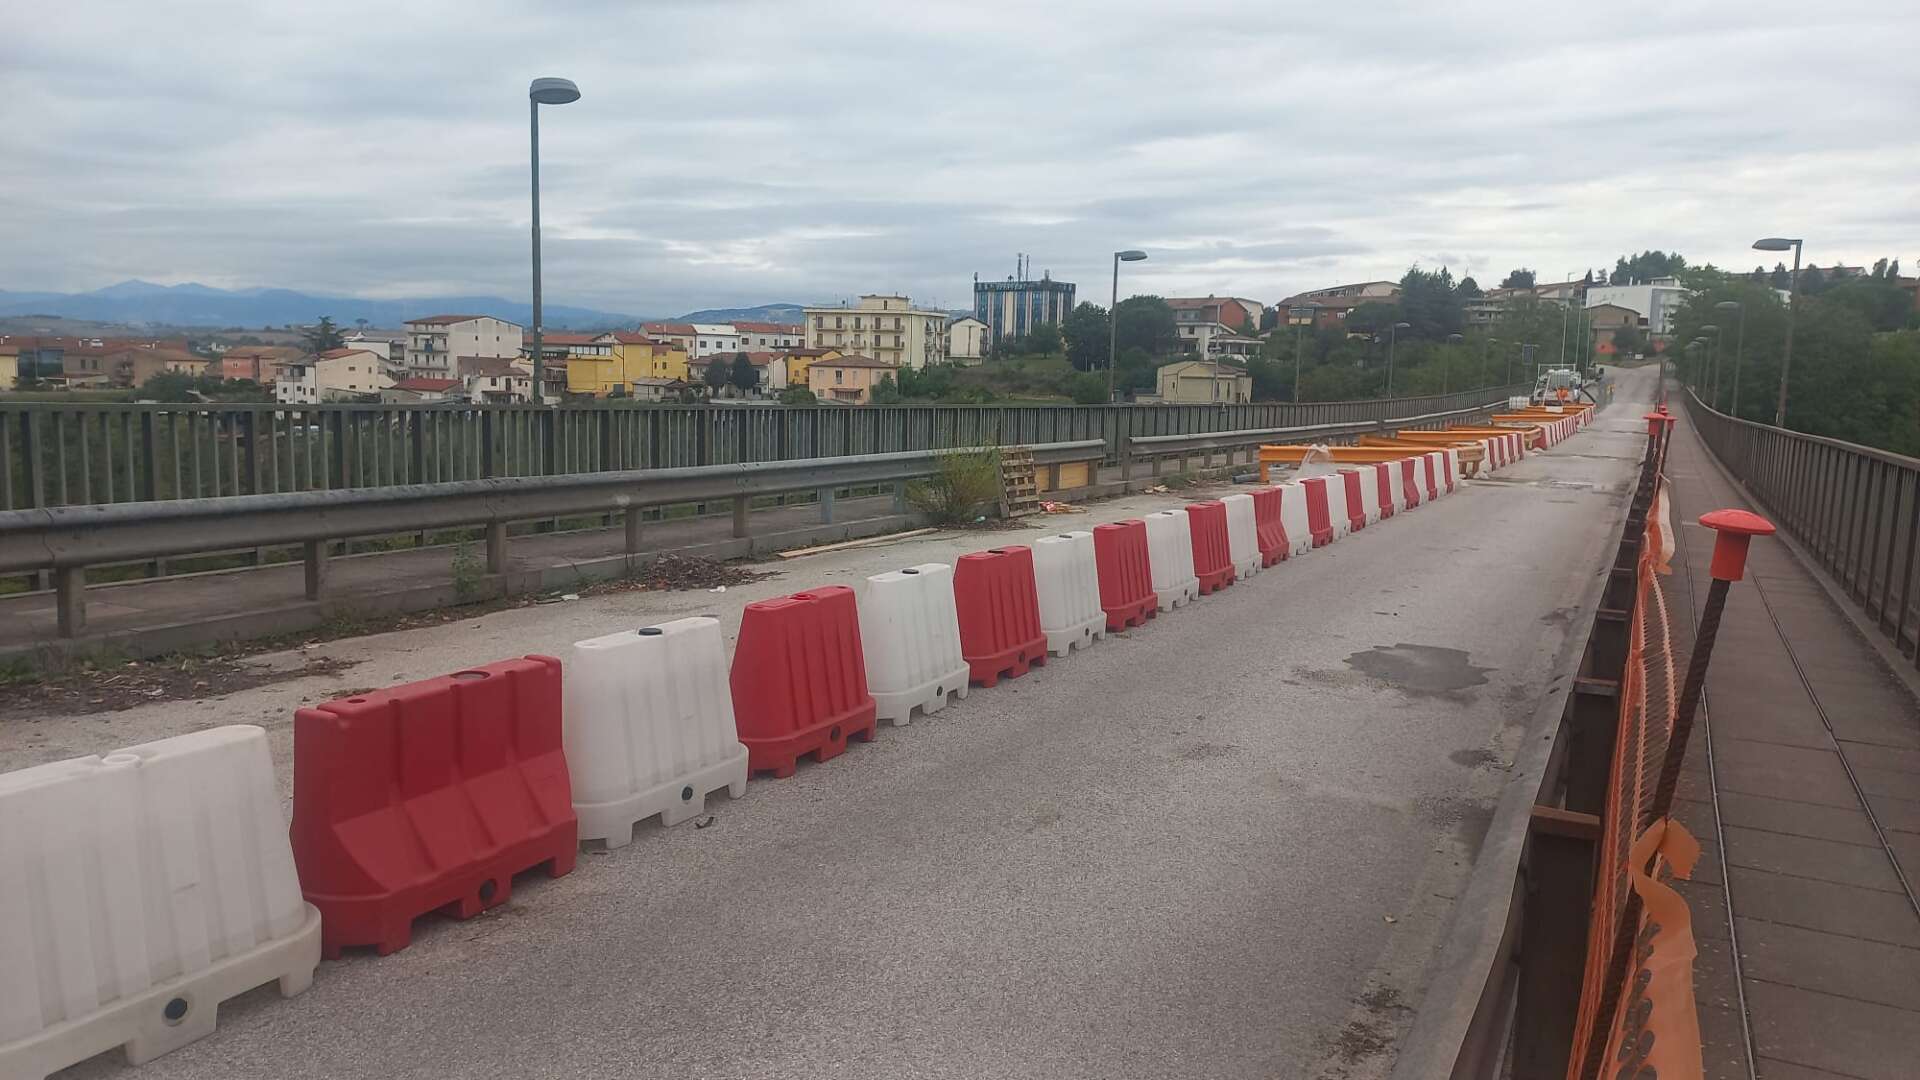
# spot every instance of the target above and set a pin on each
(331, 376)
(887, 328)
(760, 336)
(1656, 301)
(966, 340)
(434, 342)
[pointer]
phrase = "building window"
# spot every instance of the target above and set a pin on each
(838, 375)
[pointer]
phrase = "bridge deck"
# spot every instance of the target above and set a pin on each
(1809, 811)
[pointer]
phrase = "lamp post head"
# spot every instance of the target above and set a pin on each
(552, 91)
(1402, 326)
(1130, 255)
(1775, 243)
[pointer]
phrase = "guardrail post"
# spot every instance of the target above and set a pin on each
(70, 599)
(900, 493)
(826, 506)
(314, 555)
(632, 524)
(740, 507)
(496, 547)
(149, 459)
(1126, 460)
(36, 490)
(486, 444)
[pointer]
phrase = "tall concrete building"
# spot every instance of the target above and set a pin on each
(886, 328)
(434, 343)
(1013, 307)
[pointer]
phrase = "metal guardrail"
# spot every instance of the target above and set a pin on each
(69, 539)
(59, 454)
(1856, 509)
(1154, 449)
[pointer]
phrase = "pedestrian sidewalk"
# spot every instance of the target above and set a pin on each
(1805, 796)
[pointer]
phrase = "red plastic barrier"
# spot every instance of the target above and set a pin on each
(800, 680)
(1212, 552)
(1126, 577)
(1000, 613)
(1385, 479)
(429, 797)
(1266, 520)
(1411, 480)
(1433, 476)
(1446, 467)
(1356, 504)
(1319, 517)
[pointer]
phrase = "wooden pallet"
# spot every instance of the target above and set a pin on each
(1019, 492)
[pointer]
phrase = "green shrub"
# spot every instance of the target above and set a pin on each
(964, 485)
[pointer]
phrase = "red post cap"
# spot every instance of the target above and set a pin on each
(1654, 421)
(1733, 530)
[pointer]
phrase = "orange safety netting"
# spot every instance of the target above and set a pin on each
(1636, 997)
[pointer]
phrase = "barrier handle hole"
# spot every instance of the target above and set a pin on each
(833, 733)
(487, 889)
(686, 794)
(910, 570)
(175, 1010)
(469, 675)
(649, 631)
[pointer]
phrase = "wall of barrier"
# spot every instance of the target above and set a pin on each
(429, 797)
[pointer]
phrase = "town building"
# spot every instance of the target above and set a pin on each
(883, 327)
(1330, 306)
(639, 356)
(494, 380)
(1604, 320)
(1655, 301)
(847, 380)
(132, 366)
(798, 360)
(9, 367)
(434, 343)
(334, 375)
(421, 390)
(648, 388)
(257, 363)
(712, 339)
(675, 333)
(1240, 315)
(1012, 308)
(765, 336)
(1203, 382)
(966, 340)
(389, 348)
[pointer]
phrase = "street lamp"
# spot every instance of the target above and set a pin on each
(1113, 312)
(546, 91)
(1393, 332)
(1739, 347)
(1780, 243)
(1713, 360)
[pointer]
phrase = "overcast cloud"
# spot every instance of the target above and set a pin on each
(742, 152)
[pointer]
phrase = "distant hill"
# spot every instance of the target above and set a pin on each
(142, 302)
(773, 313)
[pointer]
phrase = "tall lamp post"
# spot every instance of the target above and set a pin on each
(546, 91)
(1781, 243)
(1713, 360)
(1393, 332)
(1311, 311)
(1739, 347)
(1113, 312)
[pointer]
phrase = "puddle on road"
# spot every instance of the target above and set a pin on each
(1419, 669)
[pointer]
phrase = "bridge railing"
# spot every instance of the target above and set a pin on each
(1855, 509)
(58, 454)
(69, 539)
(1151, 450)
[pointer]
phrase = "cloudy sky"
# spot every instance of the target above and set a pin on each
(738, 152)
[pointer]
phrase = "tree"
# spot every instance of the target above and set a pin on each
(323, 336)
(1085, 331)
(1146, 322)
(1086, 388)
(1812, 280)
(886, 391)
(1518, 279)
(717, 373)
(1469, 289)
(1628, 342)
(1646, 266)
(1782, 277)
(1429, 301)
(744, 376)
(797, 395)
(1043, 338)
(1374, 316)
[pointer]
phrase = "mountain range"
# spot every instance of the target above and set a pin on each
(142, 302)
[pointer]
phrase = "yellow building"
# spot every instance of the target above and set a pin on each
(1202, 382)
(799, 360)
(618, 359)
(9, 366)
(847, 380)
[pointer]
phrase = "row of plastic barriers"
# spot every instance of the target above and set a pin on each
(140, 889)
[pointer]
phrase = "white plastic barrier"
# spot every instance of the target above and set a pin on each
(1170, 555)
(1293, 517)
(1369, 492)
(647, 721)
(1397, 483)
(1339, 517)
(1243, 534)
(137, 892)
(1068, 583)
(1454, 474)
(910, 633)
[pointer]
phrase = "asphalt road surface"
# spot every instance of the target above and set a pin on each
(1224, 845)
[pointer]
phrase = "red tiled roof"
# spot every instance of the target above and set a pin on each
(548, 337)
(628, 337)
(681, 328)
(421, 383)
